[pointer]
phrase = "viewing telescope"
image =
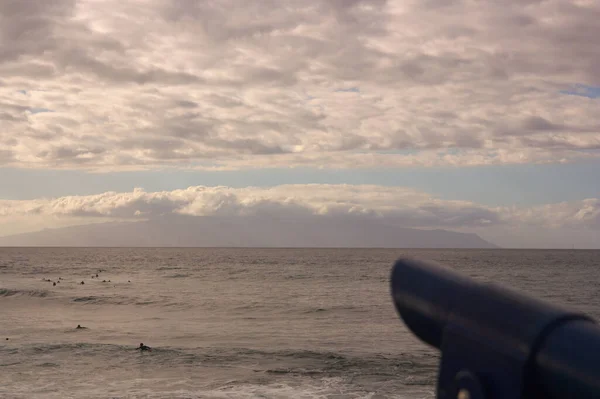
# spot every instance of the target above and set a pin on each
(496, 343)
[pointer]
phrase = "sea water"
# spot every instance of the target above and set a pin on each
(238, 323)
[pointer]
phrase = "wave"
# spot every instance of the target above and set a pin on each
(5, 292)
(350, 308)
(96, 299)
(299, 277)
(308, 362)
(397, 371)
(113, 300)
(125, 300)
(291, 360)
(48, 364)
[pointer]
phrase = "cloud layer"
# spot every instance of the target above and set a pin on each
(399, 206)
(229, 84)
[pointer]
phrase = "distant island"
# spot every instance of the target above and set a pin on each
(248, 231)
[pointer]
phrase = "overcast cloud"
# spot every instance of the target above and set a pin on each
(115, 85)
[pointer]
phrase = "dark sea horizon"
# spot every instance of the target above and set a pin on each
(239, 322)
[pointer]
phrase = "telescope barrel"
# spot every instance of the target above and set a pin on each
(509, 342)
(567, 365)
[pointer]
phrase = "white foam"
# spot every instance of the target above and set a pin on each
(324, 388)
(327, 388)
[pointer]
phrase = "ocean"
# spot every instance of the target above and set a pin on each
(238, 323)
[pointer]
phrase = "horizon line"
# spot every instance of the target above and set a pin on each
(287, 247)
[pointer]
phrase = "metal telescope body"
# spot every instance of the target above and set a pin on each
(496, 343)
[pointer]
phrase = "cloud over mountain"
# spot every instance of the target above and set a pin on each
(399, 206)
(227, 84)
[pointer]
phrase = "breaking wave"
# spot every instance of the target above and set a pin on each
(4, 292)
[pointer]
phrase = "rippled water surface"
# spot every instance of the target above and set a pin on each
(238, 323)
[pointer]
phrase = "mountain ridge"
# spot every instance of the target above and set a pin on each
(248, 231)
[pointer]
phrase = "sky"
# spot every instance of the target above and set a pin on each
(473, 116)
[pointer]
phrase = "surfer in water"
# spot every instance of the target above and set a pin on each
(80, 328)
(143, 347)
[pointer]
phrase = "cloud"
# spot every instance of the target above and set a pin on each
(584, 213)
(397, 205)
(228, 84)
